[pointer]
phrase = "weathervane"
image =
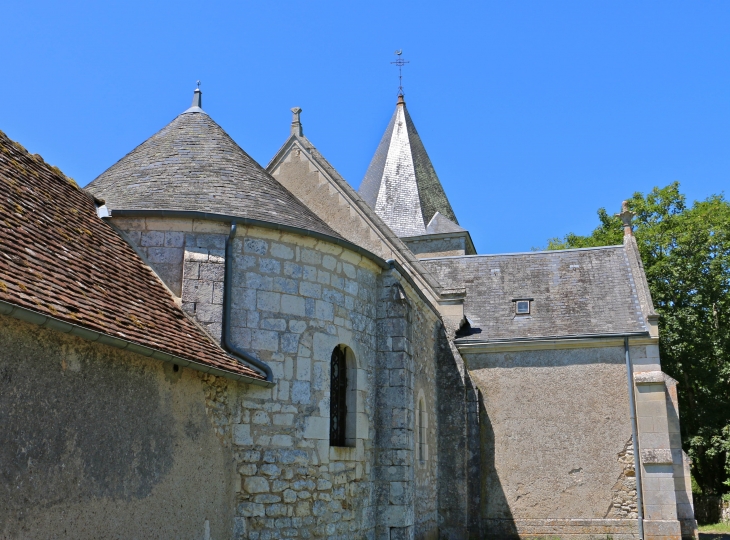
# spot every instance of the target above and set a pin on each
(400, 63)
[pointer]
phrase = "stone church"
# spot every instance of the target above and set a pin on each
(195, 346)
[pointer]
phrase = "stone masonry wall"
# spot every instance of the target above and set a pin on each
(294, 299)
(405, 489)
(161, 248)
(426, 344)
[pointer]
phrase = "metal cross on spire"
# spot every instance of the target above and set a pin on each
(198, 85)
(400, 63)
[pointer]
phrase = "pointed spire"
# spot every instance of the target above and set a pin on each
(296, 124)
(401, 184)
(197, 105)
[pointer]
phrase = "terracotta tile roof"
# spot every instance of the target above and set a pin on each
(59, 259)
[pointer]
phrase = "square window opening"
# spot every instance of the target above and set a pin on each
(522, 307)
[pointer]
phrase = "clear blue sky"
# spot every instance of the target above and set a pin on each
(534, 113)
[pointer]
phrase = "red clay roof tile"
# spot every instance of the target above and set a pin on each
(59, 259)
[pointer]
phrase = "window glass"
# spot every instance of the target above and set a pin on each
(338, 397)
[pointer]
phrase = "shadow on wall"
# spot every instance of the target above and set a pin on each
(453, 492)
(497, 519)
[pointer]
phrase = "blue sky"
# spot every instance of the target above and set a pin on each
(534, 113)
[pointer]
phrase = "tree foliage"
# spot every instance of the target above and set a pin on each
(686, 254)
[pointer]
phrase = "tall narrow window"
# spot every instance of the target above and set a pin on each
(421, 428)
(338, 397)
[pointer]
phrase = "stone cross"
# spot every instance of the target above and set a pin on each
(626, 216)
(296, 124)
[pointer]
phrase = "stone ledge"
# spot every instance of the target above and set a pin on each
(656, 456)
(649, 377)
(577, 529)
(662, 530)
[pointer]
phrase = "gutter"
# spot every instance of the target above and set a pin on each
(227, 301)
(635, 437)
(33, 317)
(467, 341)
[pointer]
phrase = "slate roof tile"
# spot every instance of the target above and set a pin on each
(401, 184)
(192, 164)
(575, 292)
(59, 259)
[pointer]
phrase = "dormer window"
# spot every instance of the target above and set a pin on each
(522, 305)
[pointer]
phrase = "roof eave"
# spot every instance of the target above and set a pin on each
(576, 341)
(39, 319)
(194, 214)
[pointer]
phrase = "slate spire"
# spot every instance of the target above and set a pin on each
(401, 184)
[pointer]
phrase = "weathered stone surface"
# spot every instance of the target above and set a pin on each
(658, 456)
(136, 437)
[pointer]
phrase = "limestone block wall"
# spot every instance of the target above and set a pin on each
(405, 480)
(554, 428)
(681, 464)
(659, 478)
(96, 442)
(294, 300)
(668, 508)
(426, 344)
(161, 243)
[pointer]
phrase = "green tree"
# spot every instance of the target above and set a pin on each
(686, 254)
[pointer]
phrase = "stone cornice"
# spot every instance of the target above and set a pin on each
(553, 343)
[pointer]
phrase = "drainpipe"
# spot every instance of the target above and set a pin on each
(227, 296)
(635, 437)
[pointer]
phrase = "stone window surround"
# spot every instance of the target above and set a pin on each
(352, 403)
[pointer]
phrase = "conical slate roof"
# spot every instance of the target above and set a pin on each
(401, 184)
(193, 165)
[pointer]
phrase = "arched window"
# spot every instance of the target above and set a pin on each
(338, 397)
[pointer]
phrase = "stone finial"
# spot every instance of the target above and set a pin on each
(401, 100)
(626, 216)
(197, 97)
(296, 123)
